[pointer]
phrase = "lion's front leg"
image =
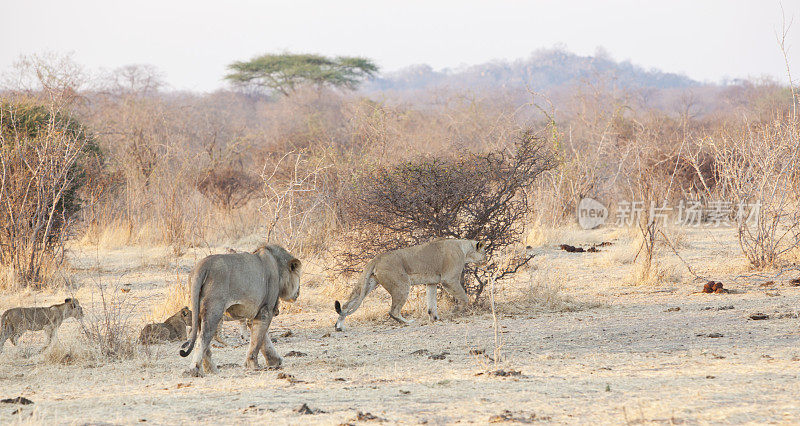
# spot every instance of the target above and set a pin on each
(269, 352)
(51, 337)
(258, 338)
(433, 311)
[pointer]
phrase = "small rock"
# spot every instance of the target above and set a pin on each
(719, 308)
(421, 352)
(305, 409)
(442, 355)
(508, 416)
(368, 417)
(673, 309)
(504, 373)
(287, 333)
(288, 377)
(18, 400)
(711, 335)
(228, 365)
(759, 316)
(296, 353)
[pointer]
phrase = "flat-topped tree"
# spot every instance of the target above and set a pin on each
(283, 73)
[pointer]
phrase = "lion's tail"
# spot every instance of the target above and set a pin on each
(359, 292)
(198, 279)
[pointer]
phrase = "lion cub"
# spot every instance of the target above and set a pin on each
(173, 329)
(17, 321)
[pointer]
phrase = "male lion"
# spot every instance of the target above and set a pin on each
(17, 321)
(173, 329)
(436, 262)
(246, 286)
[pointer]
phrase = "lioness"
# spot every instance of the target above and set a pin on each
(17, 321)
(432, 263)
(172, 330)
(246, 286)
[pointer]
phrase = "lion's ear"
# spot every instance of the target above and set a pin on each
(294, 265)
(67, 300)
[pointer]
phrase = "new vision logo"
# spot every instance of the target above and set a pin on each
(591, 213)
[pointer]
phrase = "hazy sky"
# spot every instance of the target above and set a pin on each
(192, 41)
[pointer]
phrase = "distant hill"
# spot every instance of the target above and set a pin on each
(543, 70)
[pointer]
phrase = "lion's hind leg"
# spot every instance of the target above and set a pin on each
(202, 358)
(208, 364)
(209, 331)
(399, 291)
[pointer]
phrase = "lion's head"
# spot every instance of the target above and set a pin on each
(73, 308)
(477, 252)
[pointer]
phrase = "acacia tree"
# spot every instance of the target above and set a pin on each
(283, 73)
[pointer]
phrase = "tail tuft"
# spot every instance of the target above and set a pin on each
(338, 307)
(185, 352)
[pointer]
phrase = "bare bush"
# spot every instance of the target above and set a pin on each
(228, 188)
(474, 196)
(43, 156)
(108, 324)
(293, 192)
(759, 171)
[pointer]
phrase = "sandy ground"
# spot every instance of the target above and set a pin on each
(606, 351)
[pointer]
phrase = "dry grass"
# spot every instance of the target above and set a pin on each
(108, 325)
(176, 296)
(539, 291)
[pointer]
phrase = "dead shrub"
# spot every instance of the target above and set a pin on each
(294, 196)
(228, 188)
(107, 325)
(43, 159)
(759, 170)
